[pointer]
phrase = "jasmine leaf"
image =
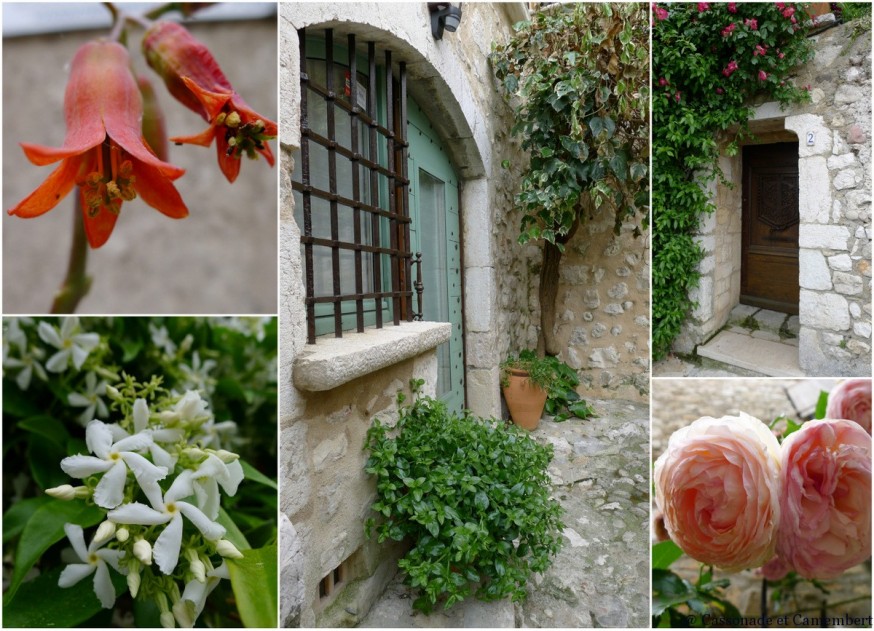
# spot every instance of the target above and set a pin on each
(233, 534)
(253, 579)
(256, 476)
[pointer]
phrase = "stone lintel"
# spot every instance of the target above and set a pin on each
(333, 361)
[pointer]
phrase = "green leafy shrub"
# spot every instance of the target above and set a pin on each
(472, 496)
(557, 378)
(709, 62)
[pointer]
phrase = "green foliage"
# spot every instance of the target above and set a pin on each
(471, 495)
(557, 378)
(853, 10)
(677, 602)
(254, 582)
(694, 106)
(664, 554)
(576, 77)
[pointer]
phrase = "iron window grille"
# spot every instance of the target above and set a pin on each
(355, 237)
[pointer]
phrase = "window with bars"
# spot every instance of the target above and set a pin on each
(351, 187)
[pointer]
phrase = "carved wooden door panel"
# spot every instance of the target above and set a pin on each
(769, 253)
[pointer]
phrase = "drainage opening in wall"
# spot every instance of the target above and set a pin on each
(332, 583)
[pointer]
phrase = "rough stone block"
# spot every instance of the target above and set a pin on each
(847, 284)
(329, 451)
(478, 223)
(862, 329)
(813, 270)
(824, 311)
(814, 198)
(291, 584)
(479, 292)
(801, 125)
(618, 291)
(848, 178)
(850, 94)
(294, 468)
(289, 95)
(841, 161)
(703, 295)
(816, 237)
(840, 262)
(484, 391)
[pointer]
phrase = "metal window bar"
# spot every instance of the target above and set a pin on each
(390, 139)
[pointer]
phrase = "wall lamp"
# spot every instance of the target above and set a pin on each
(444, 16)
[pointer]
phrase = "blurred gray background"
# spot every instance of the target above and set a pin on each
(222, 257)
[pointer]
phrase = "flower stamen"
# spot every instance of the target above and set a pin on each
(102, 190)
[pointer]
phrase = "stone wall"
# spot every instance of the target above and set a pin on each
(603, 310)
(834, 209)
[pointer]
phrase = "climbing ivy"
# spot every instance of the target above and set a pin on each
(576, 78)
(710, 61)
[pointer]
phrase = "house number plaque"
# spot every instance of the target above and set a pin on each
(811, 138)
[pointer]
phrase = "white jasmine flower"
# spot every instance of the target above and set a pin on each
(94, 561)
(190, 605)
(213, 435)
(211, 473)
(161, 339)
(70, 344)
(168, 509)
(90, 399)
(28, 359)
(197, 375)
(114, 458)
(159, 435)
(191, 408)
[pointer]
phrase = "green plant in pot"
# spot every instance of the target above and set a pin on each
(532, 385)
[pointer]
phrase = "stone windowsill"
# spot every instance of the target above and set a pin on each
(332, 361)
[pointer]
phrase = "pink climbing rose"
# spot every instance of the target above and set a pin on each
(851, 399)
(728, 29)
(762, 75)
(825, 498)
(752, 23)
(732, 7)
(730, 68)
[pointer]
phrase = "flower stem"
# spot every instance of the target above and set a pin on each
(77, 282)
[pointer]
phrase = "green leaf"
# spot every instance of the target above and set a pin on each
(664, 554)
(668, 590)
(19, 514)
(41, 603)
(254, 475)
(253, 579)
(44, 457)
(44, 529)
(16, 403)
(46, 426)
(233, 534)
(131, 349)
(481, 500)
(821, 405)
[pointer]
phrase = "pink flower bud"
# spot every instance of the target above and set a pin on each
(762, 75)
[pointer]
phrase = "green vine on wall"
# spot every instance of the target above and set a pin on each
(710, 60)
(576, 78)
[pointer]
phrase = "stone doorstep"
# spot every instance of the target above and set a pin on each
(805, 394)
(772, 359)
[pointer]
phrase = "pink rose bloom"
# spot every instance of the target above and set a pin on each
(762, 75)
(730, 68)
(660, 13)
(728, 29)
(732, 7)
(851, 399)
(753, 23)
(663, 82)
(717, 485)
(703, 6)
(760, 50)
(775, 569)
(719, 90)
(780, 5)
(788, 12)
(781, 55)
(826, 498)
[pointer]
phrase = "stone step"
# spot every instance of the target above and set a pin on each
(770, 358)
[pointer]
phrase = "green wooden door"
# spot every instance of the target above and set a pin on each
(436, 233)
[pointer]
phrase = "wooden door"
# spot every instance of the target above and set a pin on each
(769, 252)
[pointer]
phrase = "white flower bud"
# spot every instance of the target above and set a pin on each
(226, 549)
(104, 532)
(64, 492)
(167, 620)
(113, 393)
(194, 453)
(122, 534)
(143, 551)
(133, 583)
(226, 456)
(185, 613)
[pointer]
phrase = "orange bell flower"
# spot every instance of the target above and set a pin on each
(104, 152)
(194, 78)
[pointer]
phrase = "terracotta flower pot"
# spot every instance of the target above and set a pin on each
(524, 399)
